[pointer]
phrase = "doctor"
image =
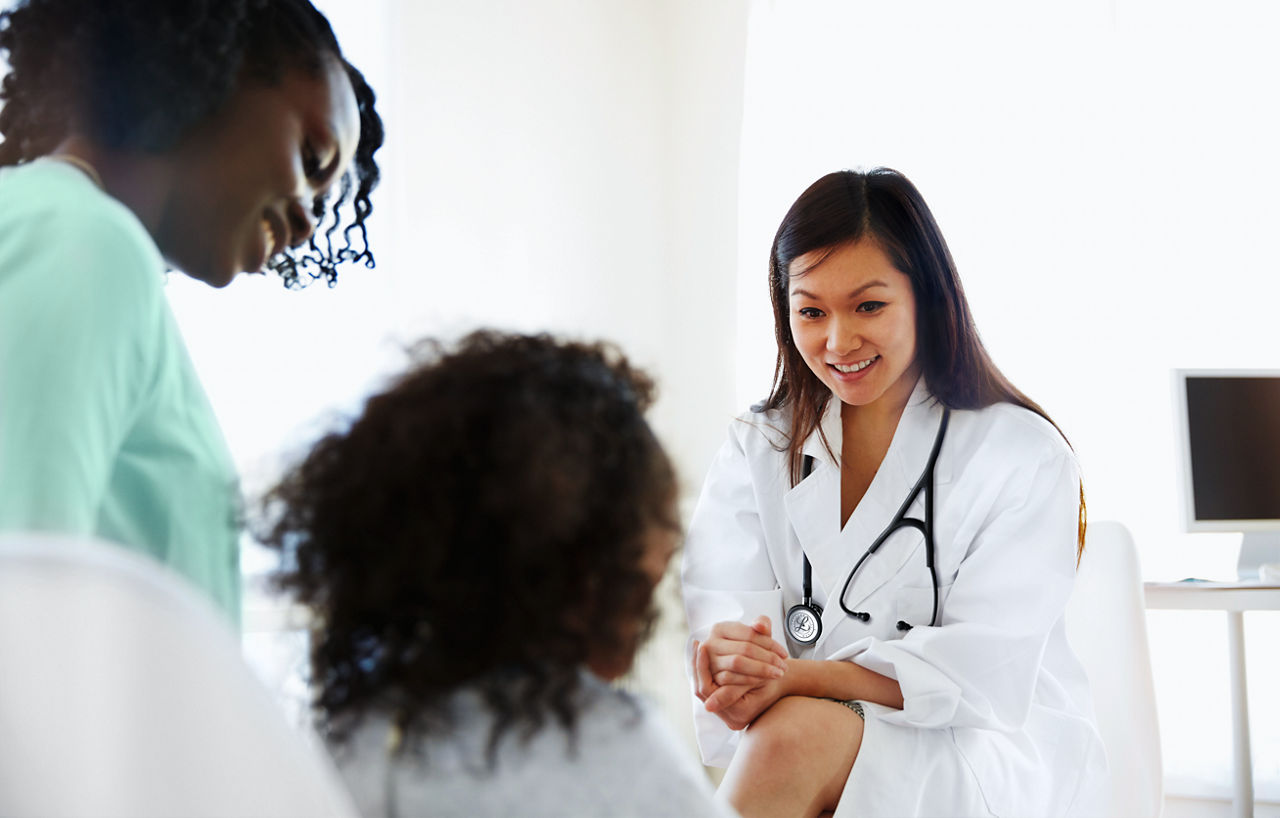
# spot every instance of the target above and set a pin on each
(876, 572)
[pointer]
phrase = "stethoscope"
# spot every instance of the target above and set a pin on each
(804, 621)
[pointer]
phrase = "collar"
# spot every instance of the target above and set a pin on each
(829, 427)
(914, 437)
(811, 506)
(912, 440)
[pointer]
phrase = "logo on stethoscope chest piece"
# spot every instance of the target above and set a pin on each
(804, 624)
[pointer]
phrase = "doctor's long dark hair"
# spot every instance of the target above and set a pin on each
(883, 205)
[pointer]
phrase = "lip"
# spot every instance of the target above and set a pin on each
(279, 229)
(279, 232)
(853, 377)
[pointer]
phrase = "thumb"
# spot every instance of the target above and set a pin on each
(762, 625)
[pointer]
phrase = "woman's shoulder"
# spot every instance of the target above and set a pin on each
(636, 756)
(759, 429)
(54, 211)
(619, 759)
(1008, 430)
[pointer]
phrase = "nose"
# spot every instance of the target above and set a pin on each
(301, 223)
(843, 337)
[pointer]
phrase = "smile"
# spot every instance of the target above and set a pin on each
(268, 237)
(858, 367)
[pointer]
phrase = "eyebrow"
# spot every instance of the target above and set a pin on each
(876, 283)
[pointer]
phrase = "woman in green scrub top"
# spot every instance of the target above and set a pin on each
(213, 137)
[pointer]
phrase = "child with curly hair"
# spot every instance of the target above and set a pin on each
(480, 549)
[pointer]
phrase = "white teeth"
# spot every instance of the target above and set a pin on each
(855, 367)
(268, 236)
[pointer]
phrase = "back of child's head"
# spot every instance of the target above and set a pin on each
(484, 522)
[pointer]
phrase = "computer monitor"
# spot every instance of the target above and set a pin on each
(1229, 430)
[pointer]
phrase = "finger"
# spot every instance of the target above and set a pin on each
(737, 632)
(722, 649)
(724, 697)
(725, 678)
(764, 626)
(702, 671)
(705, 672)
(762, 664)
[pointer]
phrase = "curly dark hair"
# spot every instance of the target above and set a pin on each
(483, 523)
(140, 74)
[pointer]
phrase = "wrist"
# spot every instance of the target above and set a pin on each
(791, 682)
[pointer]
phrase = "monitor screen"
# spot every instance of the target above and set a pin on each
(1231, 440)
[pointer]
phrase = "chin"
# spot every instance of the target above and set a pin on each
(215, 278)
(857, 397)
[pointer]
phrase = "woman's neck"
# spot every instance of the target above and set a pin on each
(141, 182)
(879, 419)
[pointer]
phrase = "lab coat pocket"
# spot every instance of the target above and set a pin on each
(914, 605)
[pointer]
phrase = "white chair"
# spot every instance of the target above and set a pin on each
(1107, 628)
(123, 693)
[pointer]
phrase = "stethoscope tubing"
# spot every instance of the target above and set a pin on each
(900, 520)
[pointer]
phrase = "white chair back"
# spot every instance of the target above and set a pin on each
(1107, 628)
(123, 693)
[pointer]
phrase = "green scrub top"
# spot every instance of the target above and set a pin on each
(104, 426)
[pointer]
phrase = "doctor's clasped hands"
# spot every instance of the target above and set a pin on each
(739, 671)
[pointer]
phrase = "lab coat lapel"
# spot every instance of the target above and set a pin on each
(813, 505)
(903, 464)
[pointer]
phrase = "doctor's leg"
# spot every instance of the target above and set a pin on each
(794, 759)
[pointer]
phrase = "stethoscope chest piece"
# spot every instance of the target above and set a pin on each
(804, 623)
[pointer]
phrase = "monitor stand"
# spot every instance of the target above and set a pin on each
(1258, 548)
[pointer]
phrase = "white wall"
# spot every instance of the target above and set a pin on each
(565, 165)
(1105, 172)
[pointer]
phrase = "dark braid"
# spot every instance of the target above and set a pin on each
(140, 74)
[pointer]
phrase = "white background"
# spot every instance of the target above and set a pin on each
(1105, 172)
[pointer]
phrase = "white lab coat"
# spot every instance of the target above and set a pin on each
(997, 715)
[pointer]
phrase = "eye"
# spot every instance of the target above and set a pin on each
(871, 306)
(310, 161)
(809, 312)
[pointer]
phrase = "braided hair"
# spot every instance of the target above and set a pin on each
(139, 75)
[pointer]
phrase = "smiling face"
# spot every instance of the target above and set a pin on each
(245, 180)
(853, 319)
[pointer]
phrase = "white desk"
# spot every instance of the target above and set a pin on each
(1235, 600)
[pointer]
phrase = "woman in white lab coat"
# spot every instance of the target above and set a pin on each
(903, 682)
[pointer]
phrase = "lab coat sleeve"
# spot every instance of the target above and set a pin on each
(726, 574)
(79, 326)
(979, 667)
